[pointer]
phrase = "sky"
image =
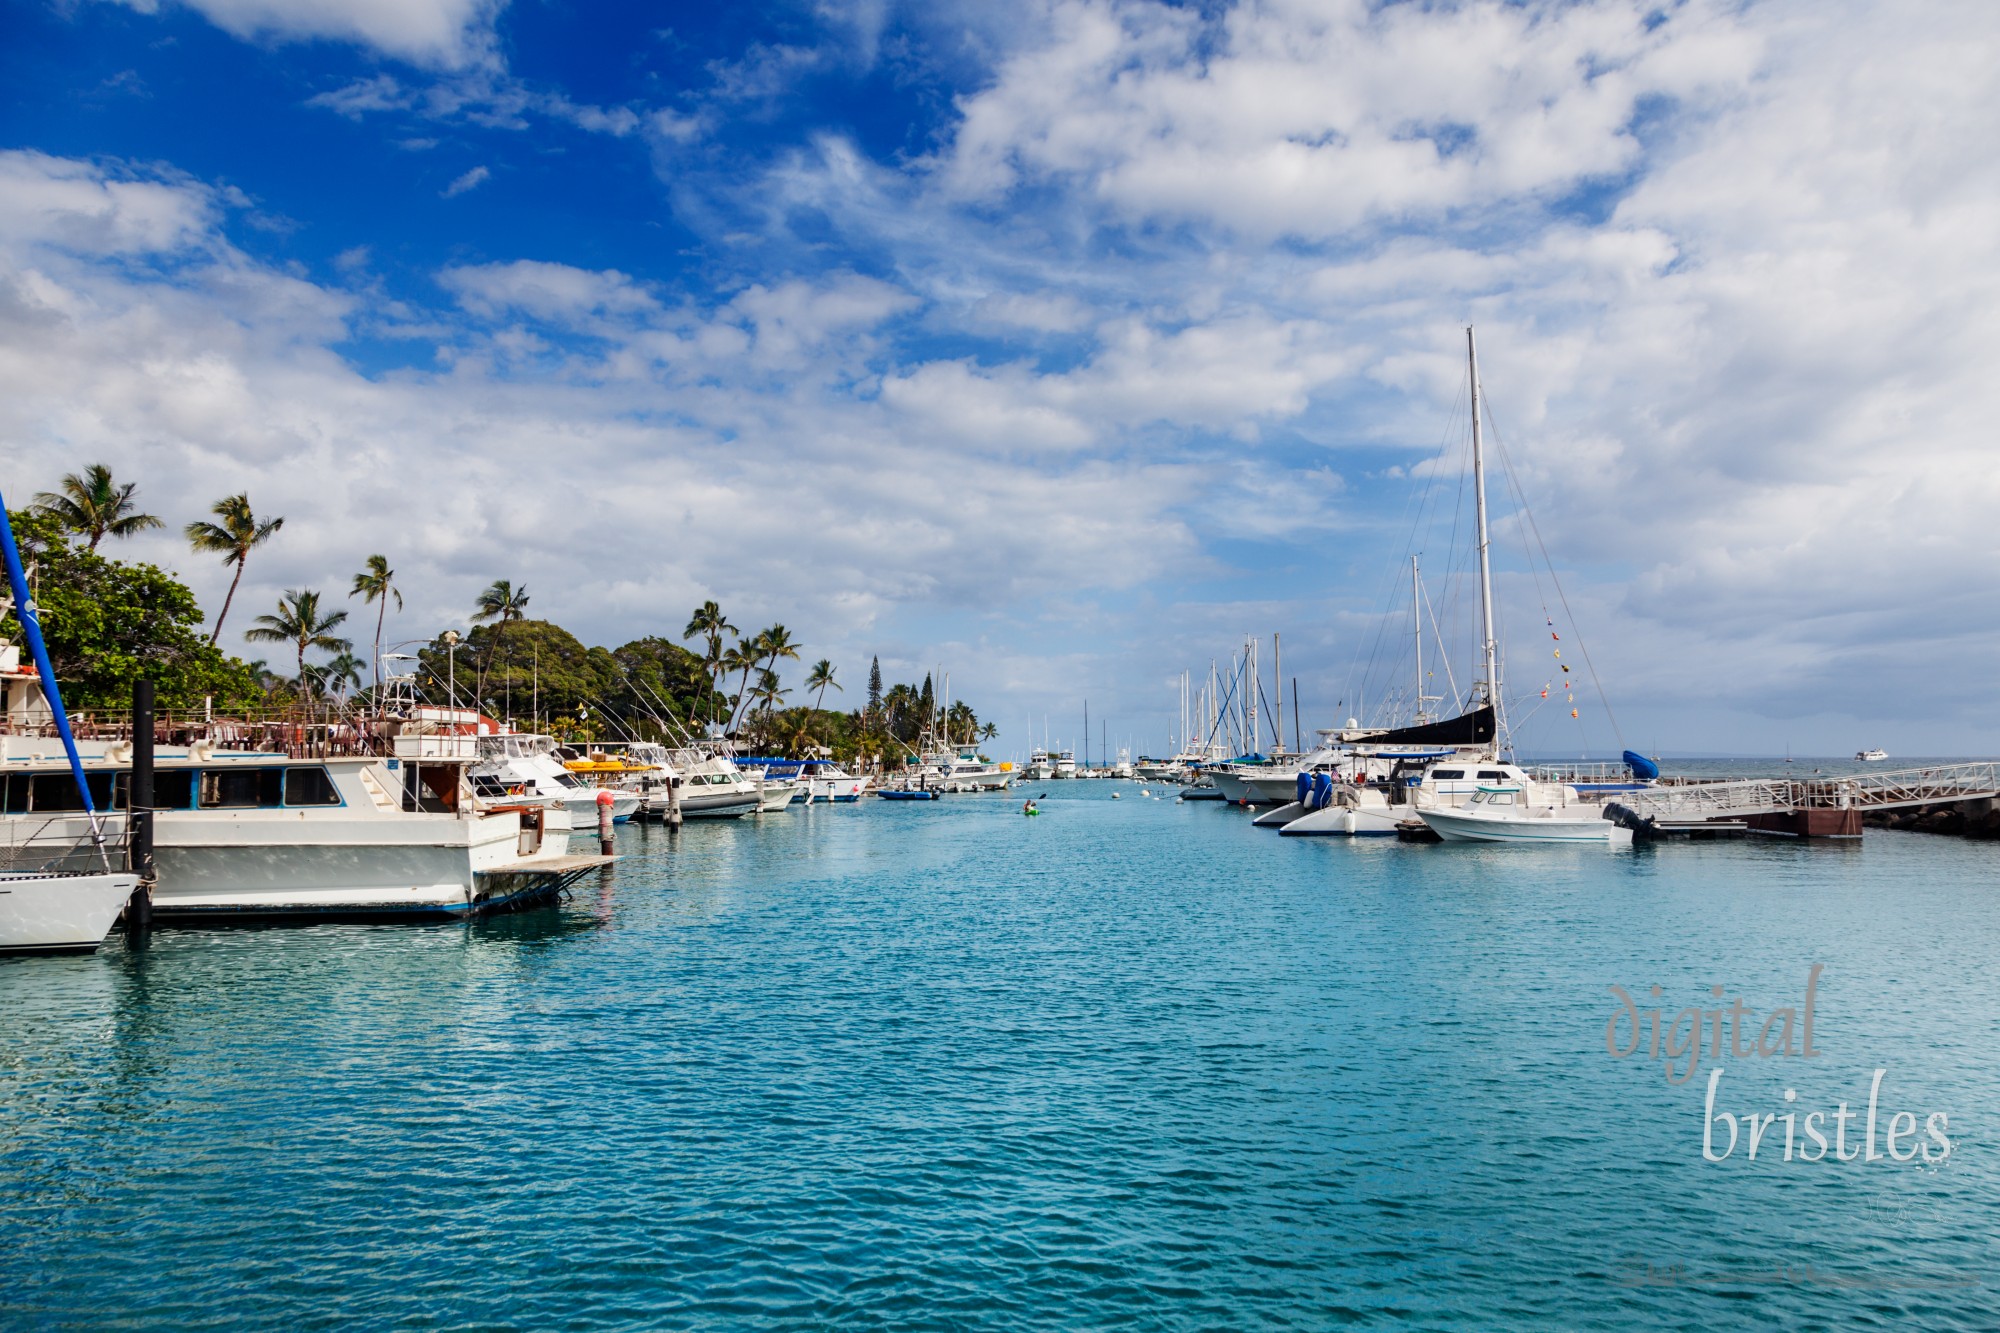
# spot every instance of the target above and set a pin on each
(1060, 345)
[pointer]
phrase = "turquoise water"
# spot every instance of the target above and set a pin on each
(1132, 1064)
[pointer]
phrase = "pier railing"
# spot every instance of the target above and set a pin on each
(1701, 801)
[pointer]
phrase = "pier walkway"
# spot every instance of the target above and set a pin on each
(1804, 807)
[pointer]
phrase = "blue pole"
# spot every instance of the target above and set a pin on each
(31, 622)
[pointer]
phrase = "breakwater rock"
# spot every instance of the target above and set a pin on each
(1964, 819)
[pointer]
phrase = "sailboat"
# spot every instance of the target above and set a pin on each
(52, 898)
(1506, 804)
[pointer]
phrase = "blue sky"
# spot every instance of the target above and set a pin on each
(1059, 344)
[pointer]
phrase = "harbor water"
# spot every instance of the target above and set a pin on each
(1132, 1064)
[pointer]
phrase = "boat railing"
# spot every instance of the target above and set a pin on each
(61, 844)
(1571, 773)
(292, 732)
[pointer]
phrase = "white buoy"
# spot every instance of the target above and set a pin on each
(1114, 795)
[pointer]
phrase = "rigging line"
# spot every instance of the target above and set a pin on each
(1415, 508)
(1595, 680)
(1450, 678)
(1415, 504)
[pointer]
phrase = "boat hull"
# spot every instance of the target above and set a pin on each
(48, 914)
(1346, 821)
(1462, 825)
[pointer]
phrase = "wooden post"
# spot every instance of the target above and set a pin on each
(139, 809)
(606, 844)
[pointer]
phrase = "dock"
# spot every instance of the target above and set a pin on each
(1798, 807)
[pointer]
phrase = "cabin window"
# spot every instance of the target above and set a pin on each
(173, 789)
(1501, 798)
(55, 793)
(309, 786)
(1491, 775)
(485, 784)
(1448, 774)
(241, 788)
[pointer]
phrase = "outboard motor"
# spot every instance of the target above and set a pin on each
(1304, 788)
(1322, 790)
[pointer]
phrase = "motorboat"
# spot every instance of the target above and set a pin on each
(523, 767)
(1536, 812)
(779, 782)
(1065, 764)
(266, 835)
(826, 780)
(1040, 767)
(1870, 756)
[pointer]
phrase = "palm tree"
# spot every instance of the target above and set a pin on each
(767, 692)
(820, 680)
(776, 643)
(92, 503)
(341, 672)
(499, 604)
(708, 622)
(232, 539)
(743, 657)
(376, 583)
(299, 623)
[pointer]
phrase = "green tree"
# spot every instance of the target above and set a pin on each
(377, 583)
(768, 693)
(501, 604)
(820, 680)
(298, 622)
(109, 623)
(875, 687)
(742, 657)
(709, 623)
(90, 503)
(340, 673)
(232, 539)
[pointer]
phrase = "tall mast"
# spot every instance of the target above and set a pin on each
(1250, 686)
(1491, 649)
(1278, 679)
(1417, 628)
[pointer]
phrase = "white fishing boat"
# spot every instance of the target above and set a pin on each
(252, 835)
(265, 835)
(1065, 764)
(1532, 812)
(1870, 756)
(520, 765)
(827, 781)
(1040, 766)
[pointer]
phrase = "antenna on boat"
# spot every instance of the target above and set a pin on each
(1490, 648)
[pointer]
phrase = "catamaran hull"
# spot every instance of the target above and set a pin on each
(1337, 821)
(60, 913)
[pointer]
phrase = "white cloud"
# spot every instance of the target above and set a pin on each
(96, 209)
(471, 180)
(448, 34)
(556, 293)
(1305, 118)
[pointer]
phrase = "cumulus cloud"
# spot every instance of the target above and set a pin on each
(447, 34)
(1177, 294)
